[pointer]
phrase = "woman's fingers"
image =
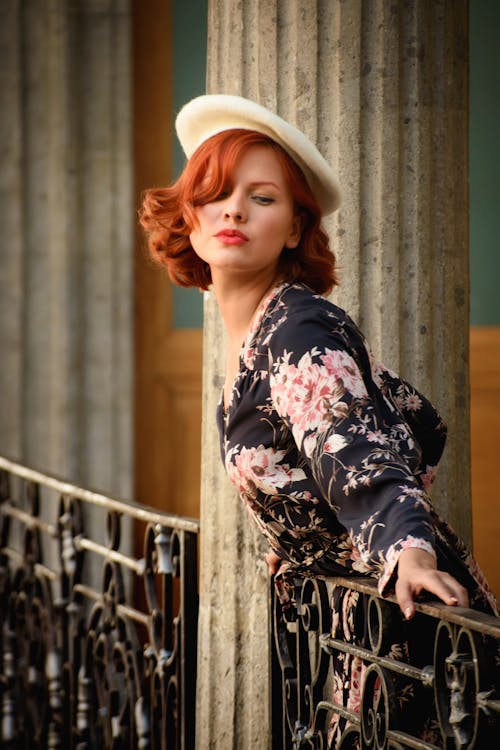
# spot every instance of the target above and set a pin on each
(449, 590)
(404, 596)
(436, 582)
(417, 572)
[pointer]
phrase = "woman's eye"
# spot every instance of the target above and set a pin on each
(264, 200)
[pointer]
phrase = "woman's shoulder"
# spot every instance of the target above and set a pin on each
(301, 314)
(300, 298)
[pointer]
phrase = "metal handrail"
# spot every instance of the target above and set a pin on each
(128, 507)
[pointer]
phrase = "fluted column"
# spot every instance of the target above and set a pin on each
(67, 217)
(382, 88)
(396, 130)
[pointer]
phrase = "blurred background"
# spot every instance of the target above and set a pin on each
(101, 374)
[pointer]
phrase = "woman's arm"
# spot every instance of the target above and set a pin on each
(362, 455)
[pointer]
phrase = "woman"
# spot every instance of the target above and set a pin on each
(331, 453)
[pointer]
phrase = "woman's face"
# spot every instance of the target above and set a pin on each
(246, 228)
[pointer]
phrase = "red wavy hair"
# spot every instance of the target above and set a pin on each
(168, 214)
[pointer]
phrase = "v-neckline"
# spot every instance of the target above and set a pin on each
(245, 357)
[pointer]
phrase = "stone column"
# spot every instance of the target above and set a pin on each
(67, 218)
(382, 89)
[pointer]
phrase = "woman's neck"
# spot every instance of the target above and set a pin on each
(238, 303)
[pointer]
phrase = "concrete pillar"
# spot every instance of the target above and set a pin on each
(382, 88)
(67, 215)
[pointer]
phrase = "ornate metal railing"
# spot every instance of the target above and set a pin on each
(453, 678)
(97, 640)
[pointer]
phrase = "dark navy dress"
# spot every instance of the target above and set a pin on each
(333, 456)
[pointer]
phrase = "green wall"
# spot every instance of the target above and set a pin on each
(190, 24)
(484, 161)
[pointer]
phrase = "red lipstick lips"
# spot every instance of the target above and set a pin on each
(231, 237)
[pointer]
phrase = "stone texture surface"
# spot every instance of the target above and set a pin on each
(382, 88)
(67, 216)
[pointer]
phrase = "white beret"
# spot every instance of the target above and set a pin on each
(210, 114)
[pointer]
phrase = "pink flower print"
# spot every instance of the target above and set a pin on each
(429, 476)
(334, 443)
(413, 402)
(355, 555)
(260, 467)
(237, 479)
(248, 356)
(281, 382)
(358, 670)
(304, 394)
(341, 366)
(309, 444)
(257, 320)
(377, 436)
(412, 541)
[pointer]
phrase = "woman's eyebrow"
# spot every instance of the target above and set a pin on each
(260, 183)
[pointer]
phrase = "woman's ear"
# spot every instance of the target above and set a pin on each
(295, 232)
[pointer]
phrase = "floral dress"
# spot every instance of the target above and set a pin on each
(333, 454)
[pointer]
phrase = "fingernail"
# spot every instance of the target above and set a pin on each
(408, 613)
(453, 600)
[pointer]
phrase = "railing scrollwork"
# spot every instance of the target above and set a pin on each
(452, 678)
(97, 644)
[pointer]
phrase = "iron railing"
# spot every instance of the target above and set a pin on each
(456, 674)
(98, 640)
(98, 634)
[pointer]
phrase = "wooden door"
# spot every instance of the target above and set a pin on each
(485, 449)
(168, 367)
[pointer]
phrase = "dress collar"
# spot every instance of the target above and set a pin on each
(247, 351)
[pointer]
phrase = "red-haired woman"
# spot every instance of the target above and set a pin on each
(331, 452)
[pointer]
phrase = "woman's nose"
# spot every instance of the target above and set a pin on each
(234, 209)
(233, 213)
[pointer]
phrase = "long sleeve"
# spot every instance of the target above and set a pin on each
(332, 453)
(356, 441)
